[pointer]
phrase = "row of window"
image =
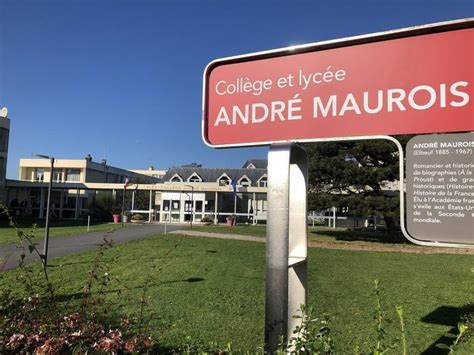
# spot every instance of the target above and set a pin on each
(72, 175)
(223, 180)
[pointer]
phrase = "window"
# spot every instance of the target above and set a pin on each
(263, 182)
(245, 182)
(198, 206)
(73, 175)
(224, 180)
(176, 178)
(194, 178)
(251, 166)
(39, 174)
(58, 176)
(188, 206)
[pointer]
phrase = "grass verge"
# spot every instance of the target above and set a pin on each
(57, 228)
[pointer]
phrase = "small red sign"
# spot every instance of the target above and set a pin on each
(416, 83)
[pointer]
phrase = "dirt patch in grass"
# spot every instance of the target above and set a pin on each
(315, 242)
(398, 248)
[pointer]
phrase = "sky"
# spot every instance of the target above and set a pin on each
(122, 80)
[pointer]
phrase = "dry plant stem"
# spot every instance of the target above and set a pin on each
(31, 247)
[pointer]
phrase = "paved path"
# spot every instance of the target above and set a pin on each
(361, 246)
(61, 246)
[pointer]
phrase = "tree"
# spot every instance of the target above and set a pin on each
(355, 174)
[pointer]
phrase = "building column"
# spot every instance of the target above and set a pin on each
(254, 208)
(161, 208)
(133, 200)
(41, 210)
(61, 203)
(216, 199)
(77, 210)
(235, 205)
(181, 207)
(150, 206)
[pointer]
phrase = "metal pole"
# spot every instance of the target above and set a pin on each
(123, 204)
(334, 217)
(46, 227)
(254, 208)
(192, 206)
(286, 267)
(215, 207)
(235, 203)
(88, 223)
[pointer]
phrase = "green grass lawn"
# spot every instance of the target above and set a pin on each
(57, 228)
(213, 290)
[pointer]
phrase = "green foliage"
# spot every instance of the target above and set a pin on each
(465, 333)
(402, 329)
(312, 336)
(456, 338)
(141, 201)
(354, 174)
(104, 206)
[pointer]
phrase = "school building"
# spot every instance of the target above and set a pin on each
(185, 194)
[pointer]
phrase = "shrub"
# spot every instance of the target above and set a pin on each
(206, 219)
(137, 217)
(104, 206)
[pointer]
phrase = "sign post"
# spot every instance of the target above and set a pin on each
(286, 271)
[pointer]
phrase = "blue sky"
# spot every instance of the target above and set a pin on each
(122, 80)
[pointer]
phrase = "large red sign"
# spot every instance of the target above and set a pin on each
(403, 82)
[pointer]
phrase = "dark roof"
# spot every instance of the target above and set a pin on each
(211, 175)
(257, 163)
(192, 165)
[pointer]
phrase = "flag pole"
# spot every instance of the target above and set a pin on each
(123, 204)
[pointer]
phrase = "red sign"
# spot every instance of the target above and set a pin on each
(403, 82)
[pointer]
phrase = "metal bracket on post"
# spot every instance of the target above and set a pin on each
(287, 242)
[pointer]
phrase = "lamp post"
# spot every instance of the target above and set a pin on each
(192, 203)
(48, 204)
